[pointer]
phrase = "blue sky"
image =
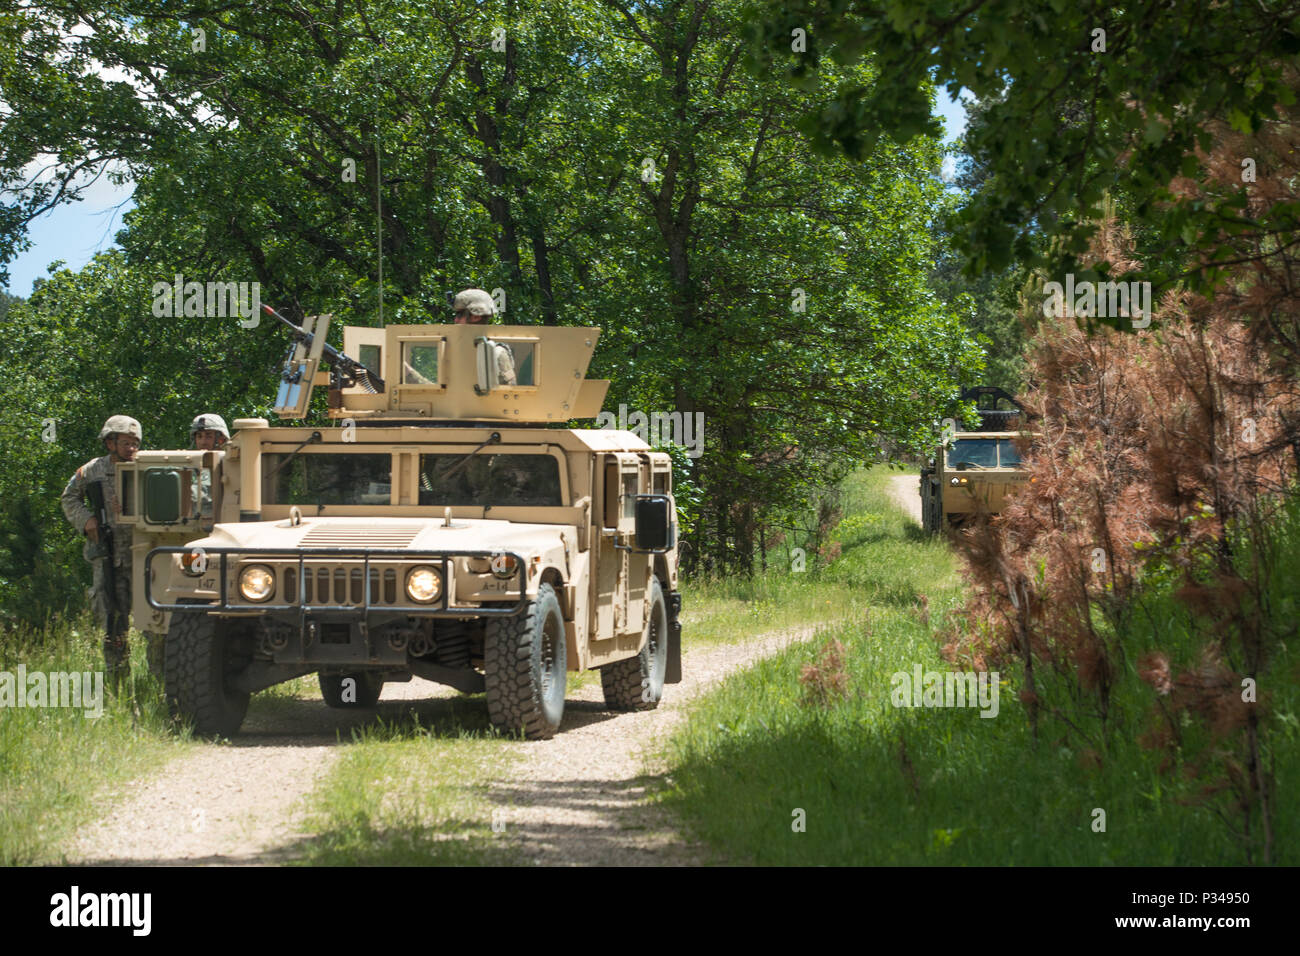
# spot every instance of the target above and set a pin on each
(77, 231)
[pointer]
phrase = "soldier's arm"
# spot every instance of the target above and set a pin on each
(74, 501)
(505, 365)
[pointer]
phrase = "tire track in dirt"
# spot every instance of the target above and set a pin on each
(236, 803)
(577, 799)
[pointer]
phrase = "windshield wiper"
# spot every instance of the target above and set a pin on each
(493, 439)
(315, 436)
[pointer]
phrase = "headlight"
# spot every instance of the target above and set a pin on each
(503, 566)
(424, 585)
(256, 583)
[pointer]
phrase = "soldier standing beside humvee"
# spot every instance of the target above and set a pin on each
(90, 504)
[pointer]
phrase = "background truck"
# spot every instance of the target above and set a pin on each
(975, 471)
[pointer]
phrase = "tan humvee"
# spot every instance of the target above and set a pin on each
(446, 526)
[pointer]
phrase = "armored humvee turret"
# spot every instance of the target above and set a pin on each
(975, 471)
(446, 525)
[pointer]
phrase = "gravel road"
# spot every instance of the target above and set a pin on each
(906, 492)
(577, 799)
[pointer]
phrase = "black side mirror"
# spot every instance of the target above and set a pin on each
(654, 523)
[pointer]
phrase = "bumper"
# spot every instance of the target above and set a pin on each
(367, 602)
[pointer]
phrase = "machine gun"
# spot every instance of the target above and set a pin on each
(308, 350)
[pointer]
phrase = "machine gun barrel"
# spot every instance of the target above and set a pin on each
(349, 367)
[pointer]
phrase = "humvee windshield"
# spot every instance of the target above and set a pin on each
(486, 479)
(983, 453)
(310, 479)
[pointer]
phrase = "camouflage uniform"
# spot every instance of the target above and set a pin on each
(480, 303)
(116, 652)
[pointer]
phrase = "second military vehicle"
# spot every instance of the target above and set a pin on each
(975, 471)
(447, 526)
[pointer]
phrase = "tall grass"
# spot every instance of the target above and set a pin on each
(58, 766)
(878, 784)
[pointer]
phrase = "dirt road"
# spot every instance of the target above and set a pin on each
(906, 492)
(576, 799)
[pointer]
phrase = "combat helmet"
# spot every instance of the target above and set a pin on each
(121, 425)
(475, 302)
(210, 422)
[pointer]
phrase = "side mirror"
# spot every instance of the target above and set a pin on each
(654, 523)
(162, 495)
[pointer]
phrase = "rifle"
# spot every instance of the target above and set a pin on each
(346, 371)
(103, 548)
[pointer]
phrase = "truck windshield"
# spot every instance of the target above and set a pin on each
(973, 452)
(490, 479)
(1007, 453)
(316, 479)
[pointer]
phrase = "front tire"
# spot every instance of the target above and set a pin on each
(200, 665)
(364, 691)
(637, 683)
(524, 664)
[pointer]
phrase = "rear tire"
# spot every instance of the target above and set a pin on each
(637, 683)
(365, 690)
(524, 664)
(200, 663)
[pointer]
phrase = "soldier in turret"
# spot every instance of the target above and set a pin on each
(476, 307)
(108, 542)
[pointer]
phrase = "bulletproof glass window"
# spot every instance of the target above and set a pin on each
(315, 479)
(370, 356)
(629, 495)
(973, 453)
(1007, 452)
(487, 479)
(419, 364)
(525, 355)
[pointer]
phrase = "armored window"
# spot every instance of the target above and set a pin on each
(629, 495)
(419, 364)
(370, 356)
(486, 479)
(525, 356)
(315, 479)
(1008, 454)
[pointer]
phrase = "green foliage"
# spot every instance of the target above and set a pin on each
(1067, 120)
(604, 164)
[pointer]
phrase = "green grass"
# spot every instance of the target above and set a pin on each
(412, 791)
(883, 785)
(56, 763)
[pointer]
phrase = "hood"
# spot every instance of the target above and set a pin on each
(465, 534)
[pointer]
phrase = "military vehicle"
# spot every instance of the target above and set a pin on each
(975, 471)
(447, 526)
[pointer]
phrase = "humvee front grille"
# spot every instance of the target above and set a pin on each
(310, 580)
(335, 585)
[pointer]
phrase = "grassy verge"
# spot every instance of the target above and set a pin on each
(765, 773)
(729, 610)
(56, 761)
(412, 791)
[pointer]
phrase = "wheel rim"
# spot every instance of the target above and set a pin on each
(657, 648)
(553, 665)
